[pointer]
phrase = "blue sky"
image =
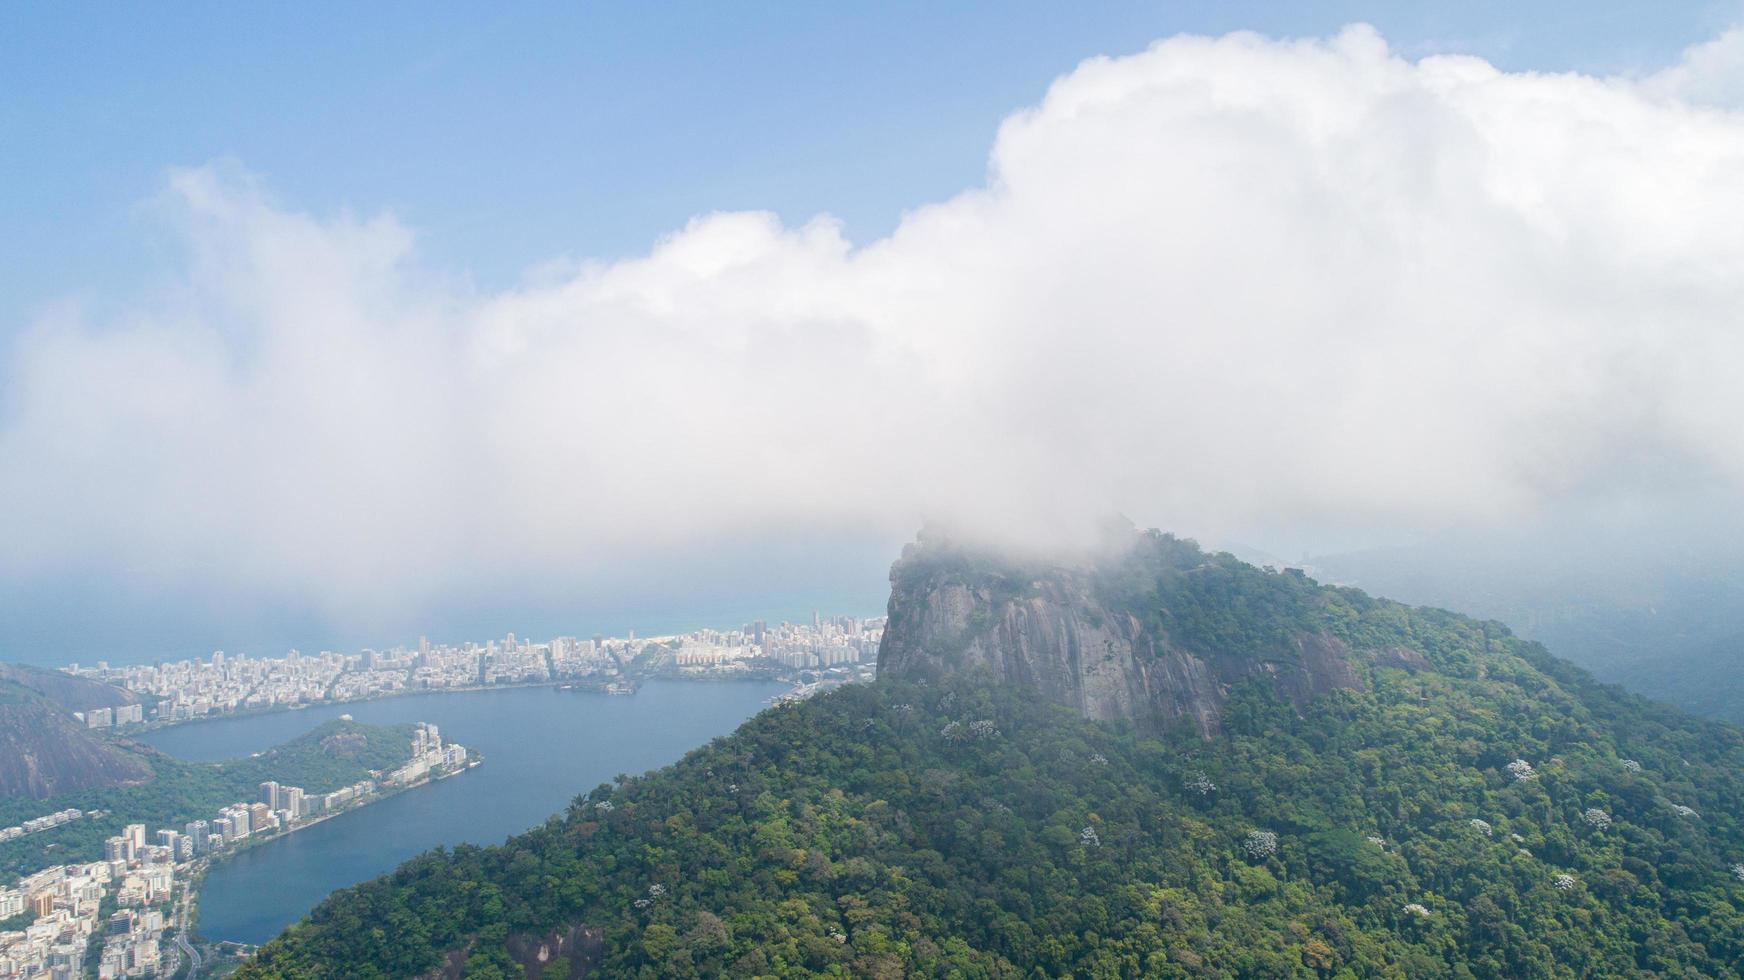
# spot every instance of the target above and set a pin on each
(508, 135)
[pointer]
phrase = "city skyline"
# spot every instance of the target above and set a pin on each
(224, 683)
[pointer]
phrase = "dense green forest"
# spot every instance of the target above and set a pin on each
(1657, 609)
(332, 755)
(1495, 814)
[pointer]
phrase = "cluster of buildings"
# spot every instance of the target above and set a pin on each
(278, 808)
(187, 689)
(121, 714)
(824, 643)
(429, 757)
(141, 874)
(827, 643)
(47, 822)
(66, 901)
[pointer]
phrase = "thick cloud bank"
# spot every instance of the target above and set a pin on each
(1222, 281)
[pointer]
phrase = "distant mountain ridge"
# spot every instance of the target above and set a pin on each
(1655, 612)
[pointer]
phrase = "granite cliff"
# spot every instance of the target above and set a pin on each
(44, 750)
(1146, 627)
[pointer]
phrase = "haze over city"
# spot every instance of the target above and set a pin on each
(1307, 287)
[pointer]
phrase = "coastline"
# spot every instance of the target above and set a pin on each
(523, 785)
(158, 725)
(581, 686)
(198, 869)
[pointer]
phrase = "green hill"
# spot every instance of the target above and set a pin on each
(1446, 801)
(175, 791)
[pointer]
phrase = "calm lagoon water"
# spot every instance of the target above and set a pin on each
(542, 748)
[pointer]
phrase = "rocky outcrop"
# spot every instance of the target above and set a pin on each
(45, 752)
(1095, 634)
(570, 952)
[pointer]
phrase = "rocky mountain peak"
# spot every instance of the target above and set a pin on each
(1146, 626)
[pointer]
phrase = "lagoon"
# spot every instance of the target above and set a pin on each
(542, 747)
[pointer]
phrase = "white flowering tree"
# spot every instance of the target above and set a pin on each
(1260, 844)
(1630, 765)
(1413, 908)
(1563, 882)
(1597, 818)
(1200, 783)
(1521, 769)
(1482, 827)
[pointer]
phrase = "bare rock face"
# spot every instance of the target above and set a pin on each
(1098, 634)
(44, 752)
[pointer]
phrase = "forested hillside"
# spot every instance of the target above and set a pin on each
(1658, 609)
(1471, 807)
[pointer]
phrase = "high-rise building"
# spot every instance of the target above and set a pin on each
(269, 794)
(198, 833)
(135, 834)
(294, 800)
(240, 821)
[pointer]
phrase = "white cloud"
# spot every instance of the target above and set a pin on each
(1223, 281)
(1711, 73)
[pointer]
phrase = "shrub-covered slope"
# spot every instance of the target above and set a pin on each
(1470, 807)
